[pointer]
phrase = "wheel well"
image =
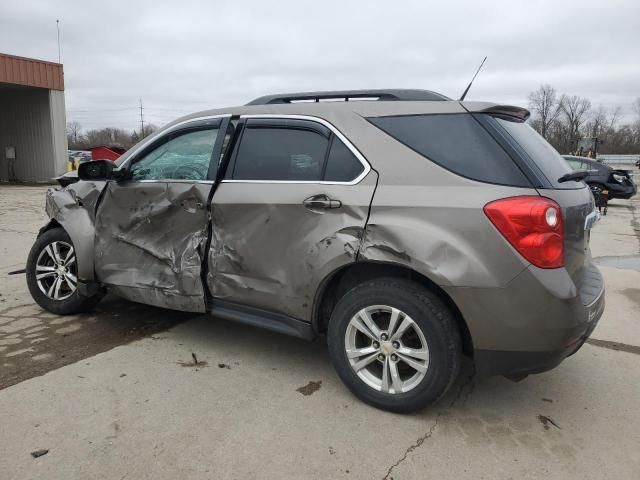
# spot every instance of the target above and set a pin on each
(53, 223)
(343, 280)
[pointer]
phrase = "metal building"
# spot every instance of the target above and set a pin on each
(33, 140)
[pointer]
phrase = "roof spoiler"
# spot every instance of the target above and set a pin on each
(508, 110)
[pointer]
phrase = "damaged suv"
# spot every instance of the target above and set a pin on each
(409, 228)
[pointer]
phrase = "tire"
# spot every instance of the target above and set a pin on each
(41, 262)
(415, 389)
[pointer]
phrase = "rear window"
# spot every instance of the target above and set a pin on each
(545, 157)
(456, 142)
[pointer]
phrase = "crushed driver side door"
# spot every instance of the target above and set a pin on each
(152, 228)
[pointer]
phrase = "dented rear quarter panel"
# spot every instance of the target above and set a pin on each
(442, 233)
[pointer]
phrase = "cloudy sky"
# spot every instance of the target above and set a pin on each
(190, 56)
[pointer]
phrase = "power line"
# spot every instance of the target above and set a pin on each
(107, 110)
(123, 117)
(124, 109)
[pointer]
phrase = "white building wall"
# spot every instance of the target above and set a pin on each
(33, 121)
(59, 124)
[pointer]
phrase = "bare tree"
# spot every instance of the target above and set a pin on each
(636, 106)
(599, 123)
(574, 118)
(613, 119)
(149, 129)
(74, 130)
(575, 110)
(544, 103)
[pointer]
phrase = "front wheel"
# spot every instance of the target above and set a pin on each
(394, 344)
(52, 275)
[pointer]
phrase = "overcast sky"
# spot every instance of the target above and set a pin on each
(197, 55)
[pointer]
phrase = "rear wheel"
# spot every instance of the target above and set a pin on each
(52, 275)
(394, 344)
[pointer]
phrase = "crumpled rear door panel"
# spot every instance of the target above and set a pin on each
(150, 238)
(271, 252)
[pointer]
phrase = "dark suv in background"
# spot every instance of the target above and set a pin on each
(409, 228)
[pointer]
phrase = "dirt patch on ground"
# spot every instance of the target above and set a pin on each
(310, 388)
(547, 422)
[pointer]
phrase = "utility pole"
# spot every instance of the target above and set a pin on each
(58, 29)
(141, 122)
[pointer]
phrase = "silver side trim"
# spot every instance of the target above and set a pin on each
(169, 180)
(136, 149)
(321, 121)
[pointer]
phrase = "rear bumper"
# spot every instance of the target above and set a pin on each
(533, 323)
(491, 362)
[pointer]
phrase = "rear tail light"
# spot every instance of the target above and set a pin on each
(533, 226)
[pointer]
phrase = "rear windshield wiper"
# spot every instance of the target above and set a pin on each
(574, 176)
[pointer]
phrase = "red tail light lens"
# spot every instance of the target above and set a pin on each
(533, 226)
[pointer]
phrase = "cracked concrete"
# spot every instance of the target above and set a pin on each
(132, 411)
(466, 382)
(411, 448)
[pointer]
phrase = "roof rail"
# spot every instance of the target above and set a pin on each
(346, 95)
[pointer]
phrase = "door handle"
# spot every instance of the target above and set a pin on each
(321, 202)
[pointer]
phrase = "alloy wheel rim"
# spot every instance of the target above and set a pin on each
(56, 271)
(386, 349)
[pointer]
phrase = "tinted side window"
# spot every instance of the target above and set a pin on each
(185, 157)
(540, 152)
(342, 165)
(456, 142)
(273, 153)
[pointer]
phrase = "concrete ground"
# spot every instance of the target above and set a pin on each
(123, 397)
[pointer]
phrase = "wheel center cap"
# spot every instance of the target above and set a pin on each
(387, 348)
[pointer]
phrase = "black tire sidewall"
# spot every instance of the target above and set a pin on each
(431, 316)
